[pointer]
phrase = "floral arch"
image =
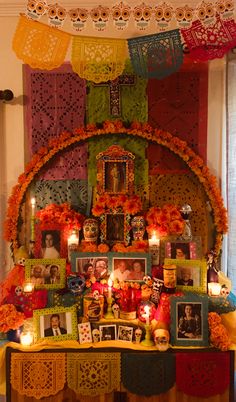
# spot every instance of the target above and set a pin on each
(144, 130)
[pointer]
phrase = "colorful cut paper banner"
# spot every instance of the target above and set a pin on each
(39, 45)
(98, 59)
(156, 56)
(207, 43)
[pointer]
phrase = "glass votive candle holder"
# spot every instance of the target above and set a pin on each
(26, 338)
(214, 289)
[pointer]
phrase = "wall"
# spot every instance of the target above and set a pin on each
(12, 126)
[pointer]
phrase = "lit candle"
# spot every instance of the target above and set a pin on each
(28, 287)
(109, 287)
(26, 339)
(147, 314)
(214, 288)
(32, 234)
(72, 242)
(154, 248)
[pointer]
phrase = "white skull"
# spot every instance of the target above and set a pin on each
(18, 290)
(116, 310)
(96, 335)
(161, 339)
(138, 335)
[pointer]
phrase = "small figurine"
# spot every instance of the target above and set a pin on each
(138, 335)
(116, 310)
(96, 335)
(212, 271)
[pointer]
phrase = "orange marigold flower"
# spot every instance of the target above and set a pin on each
(103, 248)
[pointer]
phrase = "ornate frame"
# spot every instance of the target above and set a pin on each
(115, 157)
(106, 224)
(66, 139)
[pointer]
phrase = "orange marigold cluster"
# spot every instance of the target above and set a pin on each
(128, 204)
(62, 215)
(10, 318)
(164, 221)
(219, 336)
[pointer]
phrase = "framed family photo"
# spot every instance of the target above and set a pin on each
(189, 320)
(46, 273)
(191, 274)
(90, 264)
(57, 323)
(130, 267)
(182, 250)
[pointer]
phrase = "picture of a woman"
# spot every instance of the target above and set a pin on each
(50, 244)
(189, 324)
(137, 272)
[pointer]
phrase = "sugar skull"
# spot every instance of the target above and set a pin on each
(163, 15)
(36, 9)
(100, 17)
(225, 8)
(96, 335)
(206, 13)
(78, 17)
(18, 290)
(138, 335)
(116, 310)
(121, 15)
(138, 227)
(184, 16)
(161, 339)
(90, 229)
(76, 284)
(142, 15)
(56, 15)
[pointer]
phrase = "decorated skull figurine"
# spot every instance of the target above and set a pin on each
(138, 227)
(90, 229)
(138, 335)
(76, 284)
(96, 335)
(116, 310)
(161, 339)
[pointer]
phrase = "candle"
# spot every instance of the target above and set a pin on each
(109, 287)
(154, 248)
(26, 339)
(214, 288)
(72, 242)
(33, 203)
(28, 287)
(147, 314)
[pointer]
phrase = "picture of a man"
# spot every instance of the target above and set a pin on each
(101, 268)
(55, 327)
(37, 275)
(180, 251)
(120, 272)
(54, 277)
(50, 244)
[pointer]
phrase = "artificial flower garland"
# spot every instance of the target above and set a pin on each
(144, 130)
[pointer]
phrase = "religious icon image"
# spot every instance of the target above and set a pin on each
(115, 177)
(115, 227)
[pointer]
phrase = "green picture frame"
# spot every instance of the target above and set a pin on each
(46, 319)
(130, 271)
(191, 274)
(46, 273)
(189, 320)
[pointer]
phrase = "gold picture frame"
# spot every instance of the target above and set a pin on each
(46, 273)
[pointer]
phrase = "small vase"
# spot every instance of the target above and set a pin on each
(13, 335)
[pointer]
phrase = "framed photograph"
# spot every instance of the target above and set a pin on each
(130, 266)
(107, 332)
(115, 228)
(57, 323)
(181, 250)
(90, 264)
(125, 333)
(189, 320)
(51, 242)
(115, 171)
(46, 273)
(191, 274)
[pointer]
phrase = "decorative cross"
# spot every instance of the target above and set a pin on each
(114, 87)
